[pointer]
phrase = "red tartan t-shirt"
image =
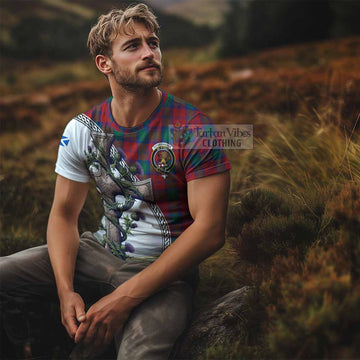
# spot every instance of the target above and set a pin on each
(141, 173)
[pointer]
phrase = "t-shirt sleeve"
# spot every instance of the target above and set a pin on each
(72, 153)
(199, 159)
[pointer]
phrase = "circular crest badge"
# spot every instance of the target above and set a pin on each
(162, 158)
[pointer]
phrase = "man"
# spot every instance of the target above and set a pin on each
(155, 188)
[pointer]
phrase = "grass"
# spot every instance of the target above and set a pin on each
(303, 247)
(303, 154)
(29, 76)
(293, 221)
(201, 11)
(76, 9)
(284, 237)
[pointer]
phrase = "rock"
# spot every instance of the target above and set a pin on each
(227, 319)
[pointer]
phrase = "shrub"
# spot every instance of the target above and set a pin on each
(346, 210)
(314, 312)
(256, 203)
(263, 239)
(267, 224)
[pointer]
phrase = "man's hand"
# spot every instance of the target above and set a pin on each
(72, 312)
(104, 319)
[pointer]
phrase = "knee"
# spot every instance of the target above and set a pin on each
(156, 324)
(6, 272)
(169, 309)
(19, 268)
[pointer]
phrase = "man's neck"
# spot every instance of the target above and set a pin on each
(132, 108)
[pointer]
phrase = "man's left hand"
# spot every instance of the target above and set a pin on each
(103, 320)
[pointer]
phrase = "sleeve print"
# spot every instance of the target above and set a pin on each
(71, 155)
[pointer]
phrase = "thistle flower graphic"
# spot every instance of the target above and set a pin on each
(129, 248)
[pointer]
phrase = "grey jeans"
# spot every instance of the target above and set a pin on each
(152, 328)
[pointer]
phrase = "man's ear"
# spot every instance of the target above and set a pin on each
(103, 63)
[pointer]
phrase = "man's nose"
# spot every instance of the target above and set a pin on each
(147, 52)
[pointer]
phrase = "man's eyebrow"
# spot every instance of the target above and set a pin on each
(138, 39)
(153, 38)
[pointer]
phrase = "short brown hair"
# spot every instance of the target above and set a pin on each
(108, 26)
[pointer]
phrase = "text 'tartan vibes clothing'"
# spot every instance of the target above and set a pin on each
(141, 173)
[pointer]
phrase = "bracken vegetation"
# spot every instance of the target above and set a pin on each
(294, 216)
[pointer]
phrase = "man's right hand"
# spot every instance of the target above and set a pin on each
(72, 312)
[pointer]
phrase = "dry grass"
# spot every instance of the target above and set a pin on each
(303, 102)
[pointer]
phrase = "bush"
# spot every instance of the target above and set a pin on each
(267, 224)
(346, 210)
(257, 203)
(263, 239)
(314, 311)
(60, 39)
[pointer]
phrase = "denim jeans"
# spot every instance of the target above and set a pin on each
(152, 328)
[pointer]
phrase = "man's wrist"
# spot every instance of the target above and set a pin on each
(64, 291)
(127, 299)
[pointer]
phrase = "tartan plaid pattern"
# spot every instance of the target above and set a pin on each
(136, 147)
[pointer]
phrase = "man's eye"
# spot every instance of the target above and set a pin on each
(131, 47)
(153, 44)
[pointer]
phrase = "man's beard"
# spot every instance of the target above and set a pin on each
(132, 81)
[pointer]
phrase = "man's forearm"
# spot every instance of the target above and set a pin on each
(195, 244)
(63, 244)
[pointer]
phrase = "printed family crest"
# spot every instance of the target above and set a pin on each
(163, 158)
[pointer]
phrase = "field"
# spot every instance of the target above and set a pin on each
(294, 215)
(199, 11)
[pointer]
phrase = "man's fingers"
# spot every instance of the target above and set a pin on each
(80, 312)
(72, 312)
(69, 322)
(109, 336)
(99, 338)
(70, 326)
(81, 331)
(90, 335)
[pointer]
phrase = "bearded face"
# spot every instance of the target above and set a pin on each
(136, 59)
(143, 76)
